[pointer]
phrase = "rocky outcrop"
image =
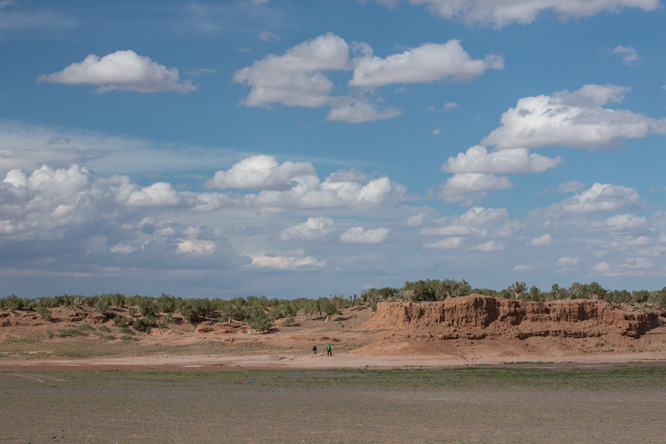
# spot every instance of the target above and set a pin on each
(478, 317)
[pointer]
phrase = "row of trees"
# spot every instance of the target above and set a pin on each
(439, 290)
(145, 312)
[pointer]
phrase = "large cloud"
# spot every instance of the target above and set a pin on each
(599, 198)
(476, 221)
(499, 13)
(478, 160)
(295, 185)
(121, 70)
(426, 63)
(573, 119)
(297, 77)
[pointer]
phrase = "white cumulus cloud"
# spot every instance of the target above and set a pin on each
(121, 70)
(450, 243)
(295, 78)
(195, 247)
(572, 119)
(427, 63)
(541, 241)
(621, 222)
(312, 228)
(463, 186)
(478, 160)
(260, 172)
(629, 54)
(601, 198)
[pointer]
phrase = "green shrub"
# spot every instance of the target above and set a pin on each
(126, 338)
(260, 321)
(109, 338)
(44, 312)
(86, 327)
(120, 321)
(104, 328)
(146, 306)
(103, 304)
(12, 303)
(143, 325)
(126, 330)
(118, 300)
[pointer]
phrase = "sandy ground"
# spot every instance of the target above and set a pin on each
(281, 361)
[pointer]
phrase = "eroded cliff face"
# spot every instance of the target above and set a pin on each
(478, 317)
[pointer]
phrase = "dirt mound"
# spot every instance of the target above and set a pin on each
(477, 317)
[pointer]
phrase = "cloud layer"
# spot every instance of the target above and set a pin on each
(500, 13)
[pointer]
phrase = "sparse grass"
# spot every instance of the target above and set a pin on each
(488, 404)
(71, 332)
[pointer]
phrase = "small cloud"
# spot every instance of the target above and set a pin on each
(436, 132)
(359, 235)
(523, 268)
(201, 72)
(541, 241)
(267, 36)
(195, 247)
(286, 262)
(449, 243)
(630, 55)
(566, 263)
(448, 106)
(313, 228)
(402, 89)
(489, 247)
(123, 249)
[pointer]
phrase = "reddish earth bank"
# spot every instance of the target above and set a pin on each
(581, 325)
(472, 329)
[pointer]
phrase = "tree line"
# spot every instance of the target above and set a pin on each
(261, 313)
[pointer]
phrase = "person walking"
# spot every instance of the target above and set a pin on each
(329, 352)
(314, 350)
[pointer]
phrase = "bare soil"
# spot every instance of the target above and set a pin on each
(510, 404)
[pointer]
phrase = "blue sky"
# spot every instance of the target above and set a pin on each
(301, 149)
